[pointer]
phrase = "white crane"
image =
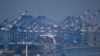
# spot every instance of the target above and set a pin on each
(92, 19)
(11, 25)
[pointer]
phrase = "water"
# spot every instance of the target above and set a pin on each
(83, 52)
(74, 52)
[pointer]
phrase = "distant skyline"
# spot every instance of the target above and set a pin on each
(53, 9)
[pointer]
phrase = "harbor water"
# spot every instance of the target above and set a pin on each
(73, 52)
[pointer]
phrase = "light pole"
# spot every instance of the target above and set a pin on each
(26, 50)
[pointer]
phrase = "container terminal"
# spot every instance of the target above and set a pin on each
(28, 34)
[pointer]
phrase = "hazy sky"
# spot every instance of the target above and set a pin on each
(55, 9)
